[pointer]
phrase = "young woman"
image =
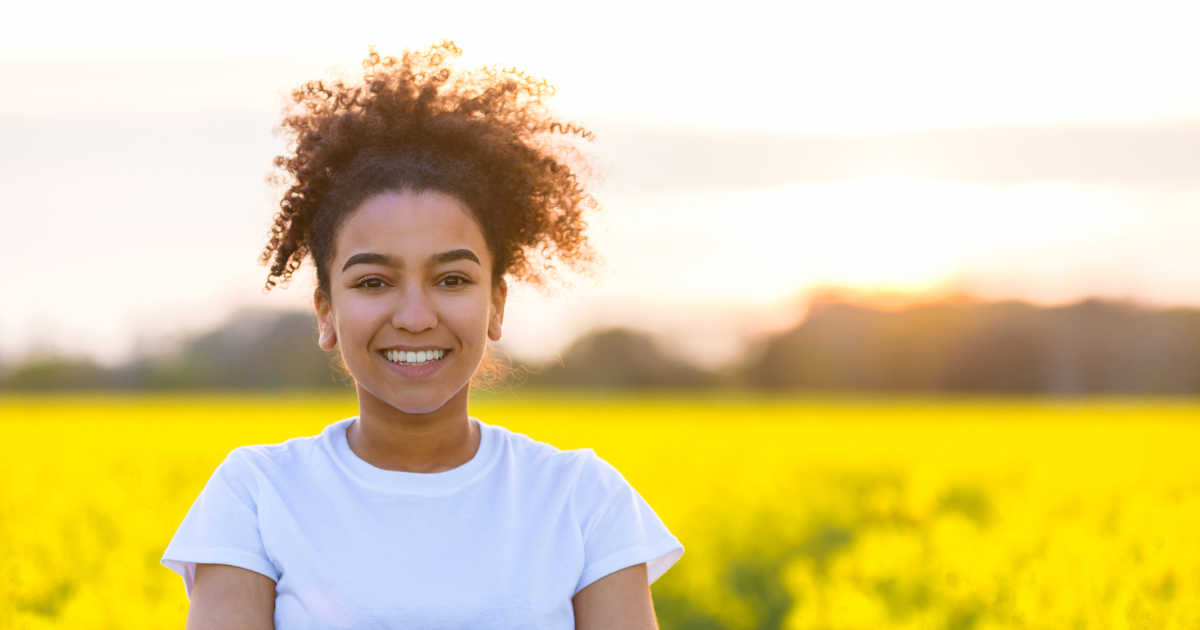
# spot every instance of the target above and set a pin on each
(417, 194)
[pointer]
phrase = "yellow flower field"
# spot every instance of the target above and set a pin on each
(795, 512)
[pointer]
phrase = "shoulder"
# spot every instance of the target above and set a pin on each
(283, 458)
(568, 465)
(591, 481)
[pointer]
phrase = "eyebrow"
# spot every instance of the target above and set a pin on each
(456, 254)
(371, 258)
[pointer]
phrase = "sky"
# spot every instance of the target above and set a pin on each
(754, 155)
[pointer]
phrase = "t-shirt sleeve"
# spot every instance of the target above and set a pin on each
(619, 528)
(222, 525)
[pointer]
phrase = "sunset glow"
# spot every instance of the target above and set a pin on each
(1029, 150)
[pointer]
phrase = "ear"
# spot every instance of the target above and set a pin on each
(499, 297)
(326, 328)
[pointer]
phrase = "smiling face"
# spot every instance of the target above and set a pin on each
(411, 304)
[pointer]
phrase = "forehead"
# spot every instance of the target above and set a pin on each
(410, 225)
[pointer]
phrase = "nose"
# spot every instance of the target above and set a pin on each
(415, 312)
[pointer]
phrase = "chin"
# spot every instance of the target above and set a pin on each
(418, 406)
(414, 400)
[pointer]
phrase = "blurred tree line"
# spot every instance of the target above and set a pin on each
(1090, 347)
(255, 350)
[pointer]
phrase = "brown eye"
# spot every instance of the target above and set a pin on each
(453, 281)
(370, 283)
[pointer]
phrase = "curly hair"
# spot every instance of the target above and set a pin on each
(416, 123)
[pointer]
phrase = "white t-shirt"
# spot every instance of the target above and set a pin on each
(503, 541)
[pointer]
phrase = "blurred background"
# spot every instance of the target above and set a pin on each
(774, 176)
(897, 325)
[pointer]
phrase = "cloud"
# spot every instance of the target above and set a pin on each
(646, 159)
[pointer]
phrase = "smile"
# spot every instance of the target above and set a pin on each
(420, 357)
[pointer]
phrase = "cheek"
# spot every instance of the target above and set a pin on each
(359, 319)
(468, 318)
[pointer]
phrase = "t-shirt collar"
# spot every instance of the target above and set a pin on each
(397, 482)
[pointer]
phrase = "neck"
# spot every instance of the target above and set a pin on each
(391, 439)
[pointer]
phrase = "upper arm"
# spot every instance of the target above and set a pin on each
(619, 529)
(617, 601)
(225, 597)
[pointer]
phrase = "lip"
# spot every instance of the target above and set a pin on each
(414, 371)
(412, 348)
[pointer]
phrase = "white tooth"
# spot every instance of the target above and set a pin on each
(439, 353)
(412, 357)
(420, 356)
(391, 355)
